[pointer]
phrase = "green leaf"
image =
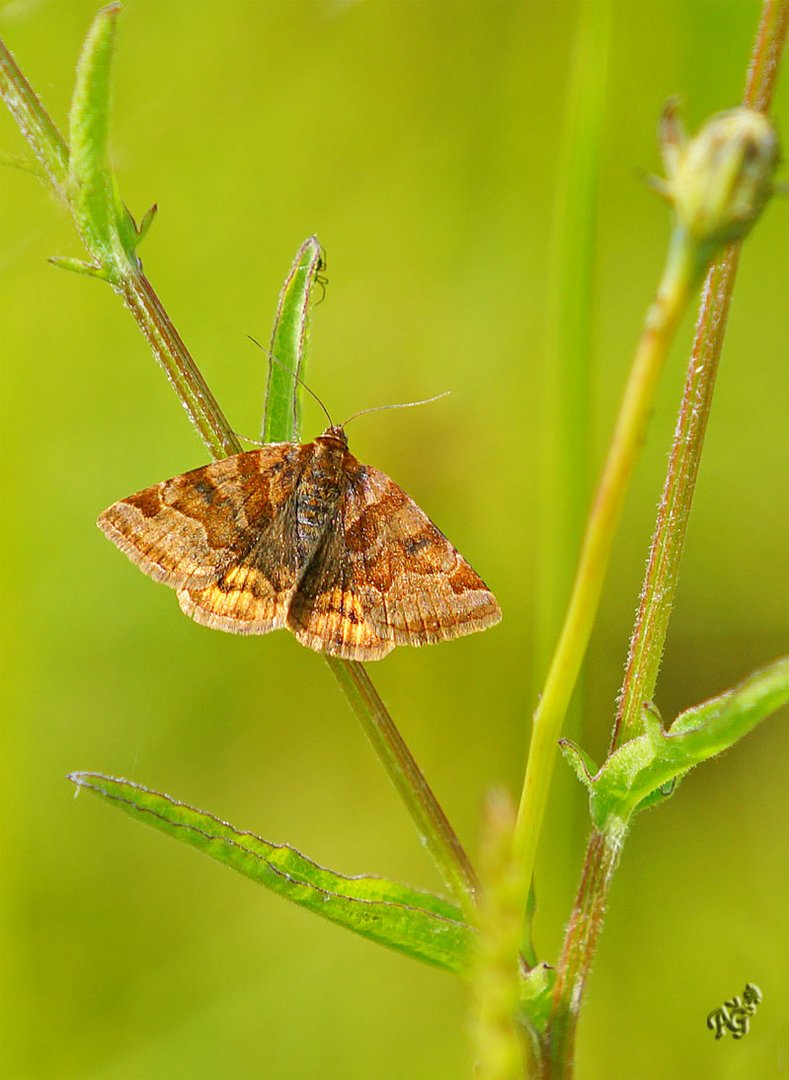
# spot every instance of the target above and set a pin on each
(289, 340)
(79, 266)
(418, 924)
(646, 769)
(104, 222)
(579, 761)
(146, 222)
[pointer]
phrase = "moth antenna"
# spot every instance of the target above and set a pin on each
(298, 378)
(399, 405)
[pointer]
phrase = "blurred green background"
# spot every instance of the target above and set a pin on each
(421, 142)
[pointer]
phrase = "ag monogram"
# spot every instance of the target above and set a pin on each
(303, 536)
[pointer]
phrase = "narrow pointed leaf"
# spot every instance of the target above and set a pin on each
(78, 266)
(579, 761)
(147, 221)
(106, 226)
(289, 340)
(418, 924)
(34, 122)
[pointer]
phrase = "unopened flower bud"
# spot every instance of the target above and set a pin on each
(719, 180)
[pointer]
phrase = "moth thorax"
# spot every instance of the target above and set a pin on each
(319, 491)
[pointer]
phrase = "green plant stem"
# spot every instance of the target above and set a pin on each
(127, 279)
(281, 423)
(662, 575)
(762, 76)
(34, 122)
(401, 767)
(171, 352)
(51, 151)
(586, 922)
(602, 852)
(670, 302)
(430, 820)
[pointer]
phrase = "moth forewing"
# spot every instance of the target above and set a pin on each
(303, 536)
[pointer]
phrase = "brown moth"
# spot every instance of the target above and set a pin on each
(303, 536)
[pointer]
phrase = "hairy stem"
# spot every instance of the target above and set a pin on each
(52, 152)
(185, 378)
(103, 224)
(402, 769)
(663, 316)
(652, 621)
(662, 575)
(580, 942)
(34, 122)
(281, 419)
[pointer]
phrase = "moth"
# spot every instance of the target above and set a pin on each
(303, 536)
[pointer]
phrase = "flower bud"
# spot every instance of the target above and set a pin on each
(719, 180)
